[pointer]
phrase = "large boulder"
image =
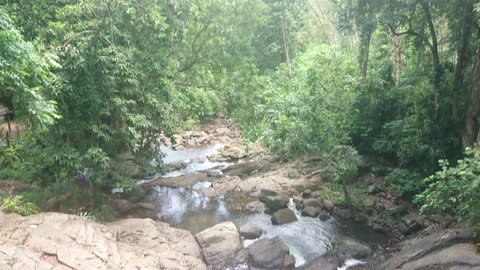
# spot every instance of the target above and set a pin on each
(61, 241)
(273, 200)
(250, 231)
(270, 254)
(318, 203)
(311, 211)
(283, 216)
(221, 245)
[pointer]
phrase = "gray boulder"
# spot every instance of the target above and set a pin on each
(313, 202)
(324, 216)
(311, 211)
(220, 245)
(270, 254)
(250, 231)
(273, 200)
(283, 216)
(354, 249)
(328, 205)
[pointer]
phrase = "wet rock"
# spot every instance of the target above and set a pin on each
(354, 249)
(328, 205)
(318, 203)
(283, 216)
(324, 216)
(298, 202)
(136, 194)
(270, 254)
(48, 240)
(256, 206)
(311, 211)
(342, 213)
(250, 231)
(220, 245)
(273, 200)
(416, 249)
(208, 192)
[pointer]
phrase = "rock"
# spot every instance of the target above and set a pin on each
(354, 249)
(306, 193)
(316, 194)
(122, 206)
(379, 228)
(313, 202)
(244, 169)
(463, 255)
(270, 254)
(402, 228)
(324, 216)
(48, 240)
(311, 211)
(187, 180)
(372, 189)
(250, 231)
(414, 250)
(298, 202)
(322, 263)
(220, 245)
(414, 222)
(328, 205)
(137, 194)
(273, 200)
(256, 206)
(283, 216)
(342, 213)
(398, 210)
(146, 205)
(379, 170)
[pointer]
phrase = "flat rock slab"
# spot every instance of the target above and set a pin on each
(187, 180)
(423, 246)
(283, 216)
(61, 241)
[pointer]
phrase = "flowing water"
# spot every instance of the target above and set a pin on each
(189, 209)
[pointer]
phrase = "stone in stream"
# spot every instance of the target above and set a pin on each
(273, 200)
(311, 211)
(354, 249)
(318, 203)
(221, 245)
(324, 216)
(270, 254)
(283, 216)
(250, 231)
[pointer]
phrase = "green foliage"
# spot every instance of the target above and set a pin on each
(25, 75)
(407, 183)
(18, 205)
(454, 190)
(310, 111)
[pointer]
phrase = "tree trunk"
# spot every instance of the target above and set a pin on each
(397, 58)
(471, 132)
(437, 69)
(462, 55)
(286, 49)
(366, 37)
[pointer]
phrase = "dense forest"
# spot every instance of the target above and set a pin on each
(95, 82)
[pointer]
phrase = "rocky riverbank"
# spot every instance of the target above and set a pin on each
(398, 237)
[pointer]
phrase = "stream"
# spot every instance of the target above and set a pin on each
(190, 209)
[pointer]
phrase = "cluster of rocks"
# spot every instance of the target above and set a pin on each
(222, 248)
(222, 131)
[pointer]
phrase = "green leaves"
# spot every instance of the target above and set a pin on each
(25, 74)
(454, 190)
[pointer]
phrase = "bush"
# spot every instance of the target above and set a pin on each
(454, 190)
(406, 182)
(18, 205)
